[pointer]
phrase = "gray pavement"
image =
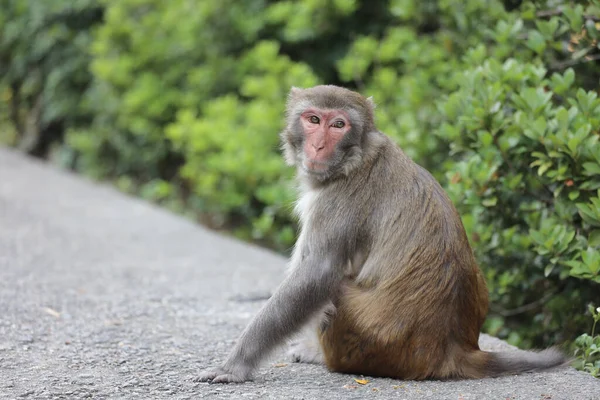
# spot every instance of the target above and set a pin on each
(104, 296)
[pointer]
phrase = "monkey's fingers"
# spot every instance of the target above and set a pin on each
(208, 376)
(229, 378)
(220, 375)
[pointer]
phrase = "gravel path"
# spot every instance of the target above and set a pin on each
(104, 296)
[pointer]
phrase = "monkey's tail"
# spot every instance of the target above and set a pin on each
(481, 364)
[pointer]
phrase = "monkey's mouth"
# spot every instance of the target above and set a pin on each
(313, 166)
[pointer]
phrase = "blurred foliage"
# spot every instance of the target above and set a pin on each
(43, 69)
(181, 102)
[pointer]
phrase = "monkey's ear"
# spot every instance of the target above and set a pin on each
(295, 91)
(371, 102)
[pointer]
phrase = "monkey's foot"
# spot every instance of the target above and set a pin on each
(220, 375)
(305, 351)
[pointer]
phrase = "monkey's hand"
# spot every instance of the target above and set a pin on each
(224, 375)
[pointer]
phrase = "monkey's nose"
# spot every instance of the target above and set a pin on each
(319, 146)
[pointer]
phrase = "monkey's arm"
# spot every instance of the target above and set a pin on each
(303, 292)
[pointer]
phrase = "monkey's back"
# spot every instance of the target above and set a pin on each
(417, 293)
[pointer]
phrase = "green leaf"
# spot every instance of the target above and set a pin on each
(490, 202)
(574, 195)
(575, 16)
(589, 214)
(591, 168)
(591, 258)
(594, 238)
(543, 168)
(536, 42)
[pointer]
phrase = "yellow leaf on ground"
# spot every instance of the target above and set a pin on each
(52, 312)
(361, 381)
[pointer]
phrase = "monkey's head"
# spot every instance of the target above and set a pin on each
(326, 128)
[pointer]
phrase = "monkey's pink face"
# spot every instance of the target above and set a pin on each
(323, 129)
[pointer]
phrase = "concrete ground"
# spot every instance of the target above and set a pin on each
(104, 296)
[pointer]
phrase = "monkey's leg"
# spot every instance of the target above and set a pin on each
(341, 346)
(346, 350)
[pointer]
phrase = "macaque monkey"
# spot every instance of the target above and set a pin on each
(382, 264)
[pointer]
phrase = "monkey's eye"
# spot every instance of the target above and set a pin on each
(314, 119)
(339, 124)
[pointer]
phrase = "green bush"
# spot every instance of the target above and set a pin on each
(152, 59)
(44, 70)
